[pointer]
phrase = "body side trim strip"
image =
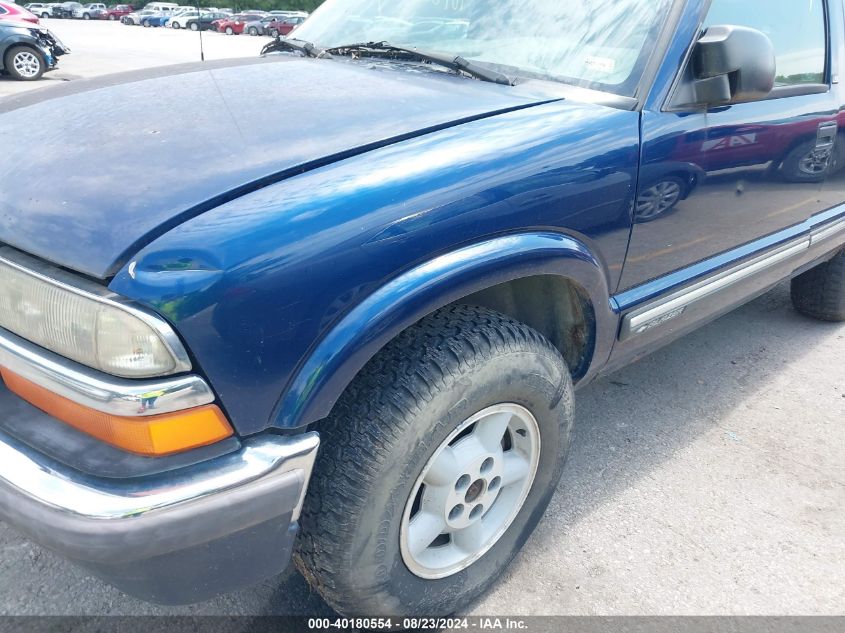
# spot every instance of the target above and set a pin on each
(675, 305)
(828, 231)
(821, 226)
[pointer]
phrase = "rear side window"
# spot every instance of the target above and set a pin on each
(796, 28)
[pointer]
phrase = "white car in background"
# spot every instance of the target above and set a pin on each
(180, 20)
(40, 9)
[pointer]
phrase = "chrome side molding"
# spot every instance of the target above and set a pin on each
(96, 390)
(827, 231)
(669, 308)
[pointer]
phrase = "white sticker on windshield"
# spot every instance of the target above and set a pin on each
(601, 64)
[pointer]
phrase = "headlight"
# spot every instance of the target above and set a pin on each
(89, 329)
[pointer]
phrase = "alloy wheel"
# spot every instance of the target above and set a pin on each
(26, 64)
(470, 491)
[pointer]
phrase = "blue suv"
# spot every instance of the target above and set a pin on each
(349, 331)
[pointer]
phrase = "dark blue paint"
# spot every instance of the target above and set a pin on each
(198, 139)
(428, 287)
(669, 283)
(257, 284)
(349, 200)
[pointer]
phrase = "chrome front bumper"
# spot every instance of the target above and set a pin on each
(178, 537)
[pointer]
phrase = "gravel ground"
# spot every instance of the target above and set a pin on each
(707, 479)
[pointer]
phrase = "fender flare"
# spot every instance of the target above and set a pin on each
(334, 362)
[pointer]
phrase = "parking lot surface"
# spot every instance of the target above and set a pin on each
(707, 479)
(103, 47)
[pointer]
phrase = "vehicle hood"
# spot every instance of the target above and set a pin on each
(93, 170)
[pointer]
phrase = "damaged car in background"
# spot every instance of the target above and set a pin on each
(28, 51)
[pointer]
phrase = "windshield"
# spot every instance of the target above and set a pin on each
(600, 44)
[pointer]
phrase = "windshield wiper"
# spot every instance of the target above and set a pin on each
(456, 63)
(287, 45)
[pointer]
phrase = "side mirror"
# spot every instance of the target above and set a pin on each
(733, 64)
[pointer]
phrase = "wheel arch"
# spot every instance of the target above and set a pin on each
(504, 274)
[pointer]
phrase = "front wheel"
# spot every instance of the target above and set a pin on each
(86, 16)
(253, 31)
(175, 26)
(24, 63)
(229, 30)
(112, 18)
(274, 33)
(436, 466)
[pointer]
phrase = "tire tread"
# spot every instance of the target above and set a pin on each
(368, 422)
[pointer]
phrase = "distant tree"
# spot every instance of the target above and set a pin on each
(274, 5)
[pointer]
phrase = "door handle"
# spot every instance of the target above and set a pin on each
(827, 135)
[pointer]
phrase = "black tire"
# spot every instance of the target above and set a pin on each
(384, 430)
(175, 26)
(86, 16)
(146, 24)
(799, 167)
(112, 17)
(274, 33)
(194, 26)
(820, 292)
(253, 31)
(44, 16)
(31, 53)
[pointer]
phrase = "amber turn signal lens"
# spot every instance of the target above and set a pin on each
(153, 435)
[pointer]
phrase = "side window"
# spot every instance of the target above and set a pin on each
(796, 28)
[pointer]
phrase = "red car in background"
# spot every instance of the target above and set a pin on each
(282, 26)
(12, 11)
(118, 11)
(235, 24)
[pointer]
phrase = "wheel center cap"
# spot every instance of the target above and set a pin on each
(475, 490)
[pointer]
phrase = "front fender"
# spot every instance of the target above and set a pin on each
(359, 336)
